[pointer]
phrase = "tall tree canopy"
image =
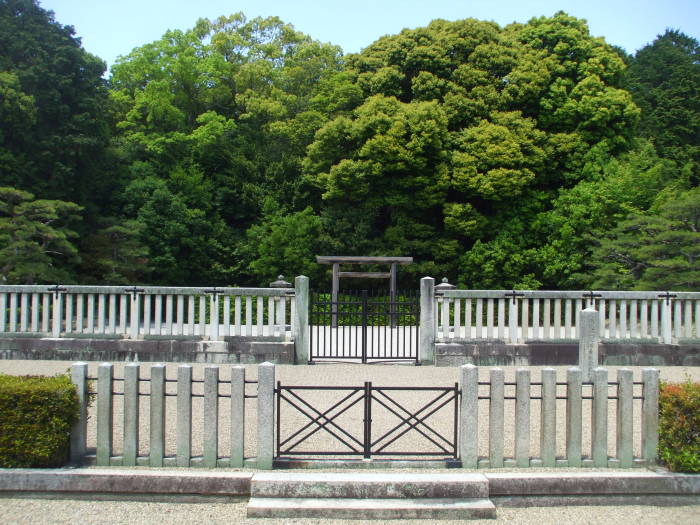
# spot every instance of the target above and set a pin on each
(664, 78)
(213, 122)
(466, 132)
(54, 128)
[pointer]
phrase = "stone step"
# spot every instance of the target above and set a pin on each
(368, 485)
(367, 509)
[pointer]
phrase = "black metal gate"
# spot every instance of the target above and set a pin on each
(366, 326)
(367, 421)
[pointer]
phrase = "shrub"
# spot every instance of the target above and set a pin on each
(679, 426)
(36, 415)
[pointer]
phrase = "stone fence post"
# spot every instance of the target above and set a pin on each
(301, 323)
(78, 434)
(589, 337)
(426, 349)
(266, 415)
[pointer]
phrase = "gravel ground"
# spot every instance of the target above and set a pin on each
(37, 511)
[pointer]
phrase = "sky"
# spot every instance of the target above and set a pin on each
(110, 28)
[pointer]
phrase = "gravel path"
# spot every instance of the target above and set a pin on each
(36, 511)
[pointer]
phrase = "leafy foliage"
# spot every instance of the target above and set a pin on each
(36, 415)
(35, 238)
(657, 251)
(54, 131)
(679, 426)
(664, 79)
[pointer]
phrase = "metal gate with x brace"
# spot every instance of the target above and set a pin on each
(375, 440)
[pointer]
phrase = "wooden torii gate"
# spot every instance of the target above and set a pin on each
(337, 260)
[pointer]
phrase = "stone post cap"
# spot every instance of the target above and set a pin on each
(280, 283)
(445, 285)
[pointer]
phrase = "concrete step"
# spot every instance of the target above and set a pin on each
(368, 485)
(366, 509)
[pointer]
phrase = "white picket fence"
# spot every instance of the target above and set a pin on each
(527, 315)
(133, 312)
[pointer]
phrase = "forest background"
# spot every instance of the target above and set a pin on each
(527, 156)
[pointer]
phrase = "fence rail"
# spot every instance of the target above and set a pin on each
(527, 315)
(138, 312)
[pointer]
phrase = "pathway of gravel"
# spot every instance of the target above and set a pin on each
(36, 511)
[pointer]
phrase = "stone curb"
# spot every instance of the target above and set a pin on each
(126, 481)
(592, 483)
(181, 482)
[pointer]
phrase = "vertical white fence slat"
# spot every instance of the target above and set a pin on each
(479, 318)
(169, 315)
(237, 316)
(180, 322)
(91, 313)
(24, 312)
(13, 312)
(35, 312)
(190, 315)
(202, 316)
(3, 310)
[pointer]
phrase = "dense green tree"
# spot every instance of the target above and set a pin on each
(221, 114)
(664, 78)
(53, 126)
(114, 254)
(36, 241)
(653, 251)
(286, 243)
(466, 134)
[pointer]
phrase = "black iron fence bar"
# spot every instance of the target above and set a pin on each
(315, 421)
(278, 400)
(307, 387)
(414, 416)
(439, 454)
(317, 453)
(407, 421)
(320, 426)
(457, 395)
(367, 420)
(416, 388)
(411, 426)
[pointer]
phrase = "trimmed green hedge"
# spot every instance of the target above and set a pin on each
(679, 426)
(36, 415)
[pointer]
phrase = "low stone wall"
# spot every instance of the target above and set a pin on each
(498, 353)
(234, 349)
